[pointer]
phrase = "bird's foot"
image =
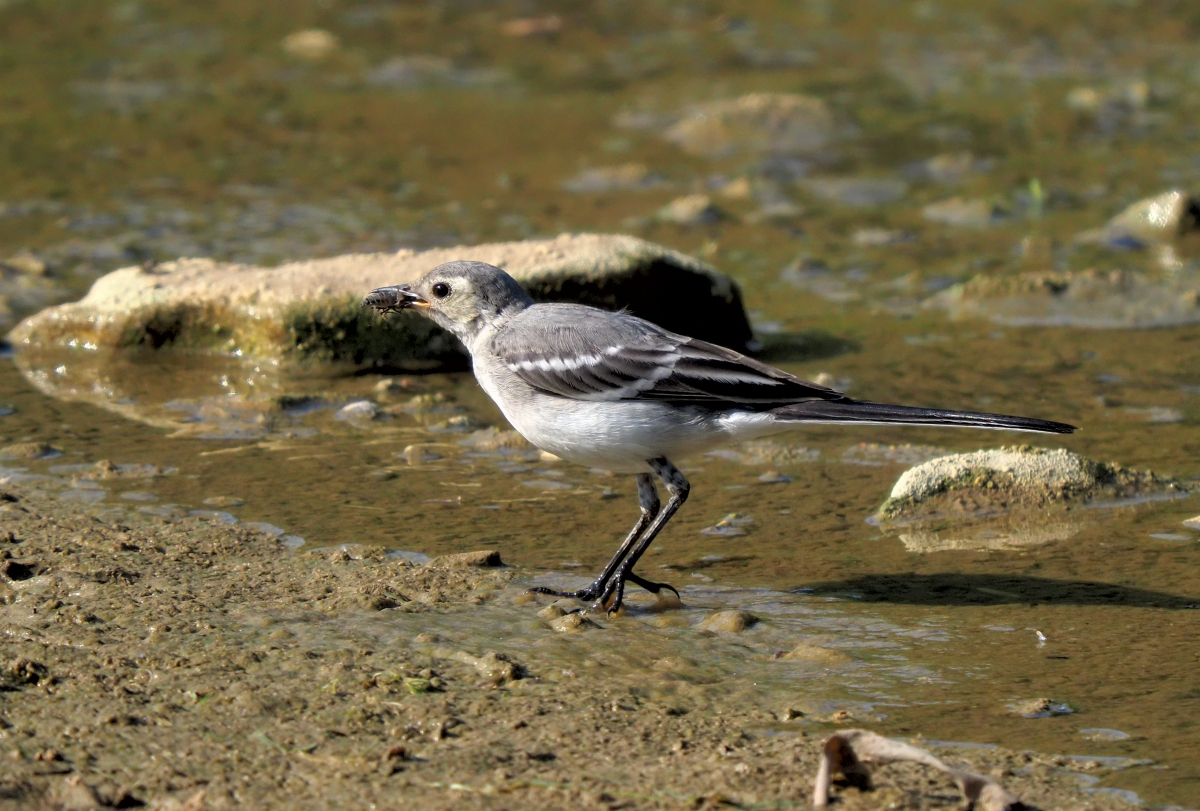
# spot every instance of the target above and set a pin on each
(613, 595)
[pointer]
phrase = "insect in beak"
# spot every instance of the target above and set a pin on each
(394, 299)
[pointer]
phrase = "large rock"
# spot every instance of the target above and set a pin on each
(1007, 478)
(310, 310)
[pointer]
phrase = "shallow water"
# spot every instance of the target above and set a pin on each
(145, 131)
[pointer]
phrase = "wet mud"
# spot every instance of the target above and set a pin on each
(177, 663)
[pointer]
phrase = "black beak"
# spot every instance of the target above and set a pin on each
(394, 299)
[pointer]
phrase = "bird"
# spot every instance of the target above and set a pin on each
(613, 391)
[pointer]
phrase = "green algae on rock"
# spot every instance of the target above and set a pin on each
(310, 310)
(1024, 476)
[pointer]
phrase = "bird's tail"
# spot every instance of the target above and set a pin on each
(865, 413)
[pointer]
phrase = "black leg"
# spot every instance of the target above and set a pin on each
(677, 485)
(648, 499)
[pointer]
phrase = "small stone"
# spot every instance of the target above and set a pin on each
(774, 477)
(879, 237)
(311, 45)
(73, 794)
(1193, 523)
(728, 622)
(27, 263)
(572, 623)
(1040, 708)
(627, 177)
(29, 450)
(466, 560)
(552, 612)
(546, 456)
(526, 27)
(859, 192)
(819, 655)
(391, 386)
(224, 501)
(757, 123)
(963, 213)
(1099, 734)
(427, 638)
(359, 410)
(728, 527)
(691, 210)
(418, 454)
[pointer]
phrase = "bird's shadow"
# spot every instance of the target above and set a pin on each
(813, 344)
(956, 589)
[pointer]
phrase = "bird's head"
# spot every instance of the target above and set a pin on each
(463, 297)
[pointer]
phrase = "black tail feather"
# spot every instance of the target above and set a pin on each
(851, 411)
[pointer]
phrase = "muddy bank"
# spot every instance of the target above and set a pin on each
(182, 664)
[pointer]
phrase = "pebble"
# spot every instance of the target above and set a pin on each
(572, 623)
(728, 622)
(27, 263)
(858, 192)
(311, 45)
(526, 27)
(774, 477)
(728, 527)
(223, 501)
(963, 213)
(626, 177)
(1193, 523)
(1040, 708)
(1100, 734)
(358, 410)
(691, 210)
(418, 454)
(879, 237)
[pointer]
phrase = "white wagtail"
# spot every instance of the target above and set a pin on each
(610, 390)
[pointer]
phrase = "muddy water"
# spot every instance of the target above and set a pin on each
(145, 131)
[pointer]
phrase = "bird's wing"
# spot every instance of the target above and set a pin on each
(587, 354)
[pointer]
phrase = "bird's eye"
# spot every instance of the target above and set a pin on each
(441, 290)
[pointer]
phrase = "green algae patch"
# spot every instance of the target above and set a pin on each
(342, 331)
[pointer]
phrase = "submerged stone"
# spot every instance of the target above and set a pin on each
(691, 210)
(757, 123)
(464, 560)
(728, 622)
(1017, 477)
(310, 310)
(1088, 298)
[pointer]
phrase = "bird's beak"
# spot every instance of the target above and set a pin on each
(394, 299)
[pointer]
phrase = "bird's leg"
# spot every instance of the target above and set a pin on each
(648, 499)
(677, 485)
